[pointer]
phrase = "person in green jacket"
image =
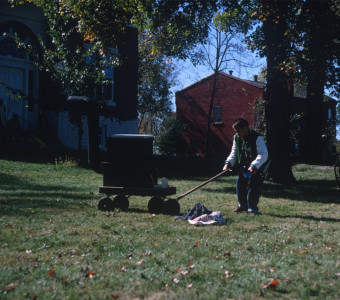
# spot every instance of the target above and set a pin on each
(249, 154)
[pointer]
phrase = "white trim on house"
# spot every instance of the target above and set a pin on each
(68, 133)
(15, 72)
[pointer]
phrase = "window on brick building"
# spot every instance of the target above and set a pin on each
(217, 115)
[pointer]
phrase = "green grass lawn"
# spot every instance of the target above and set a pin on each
(56, 244)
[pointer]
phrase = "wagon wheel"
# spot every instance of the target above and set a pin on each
(171, 207)
(121, 202)
(156, 205)
(106, 204)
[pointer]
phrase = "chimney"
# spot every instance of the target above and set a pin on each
(255, 78)
(230, 72)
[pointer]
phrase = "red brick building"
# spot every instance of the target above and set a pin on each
(234, 98)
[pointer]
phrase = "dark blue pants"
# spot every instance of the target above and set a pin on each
(248, 192)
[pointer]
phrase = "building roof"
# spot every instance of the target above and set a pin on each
(257, 84)
(301, 94)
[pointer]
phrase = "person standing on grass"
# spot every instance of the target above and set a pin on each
(249, 153)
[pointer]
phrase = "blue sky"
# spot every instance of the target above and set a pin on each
(187, 74)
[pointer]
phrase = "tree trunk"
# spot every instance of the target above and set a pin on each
(316, 72)
(93, 141)
(80, 133)
(277, 108)
(314, 123)
(211, 104)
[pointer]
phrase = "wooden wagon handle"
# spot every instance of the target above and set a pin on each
(202, 184)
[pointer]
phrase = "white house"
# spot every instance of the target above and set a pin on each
(18, 71)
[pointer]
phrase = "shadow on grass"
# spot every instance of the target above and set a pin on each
(18, 196)
(138, 210)
(304, 217)
(222, 187)
(221, 190)
(320, 191)
(27, 208)
(13, 183)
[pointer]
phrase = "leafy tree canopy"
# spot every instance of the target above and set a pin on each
(155, 81)
(170, 140)
(309, 23)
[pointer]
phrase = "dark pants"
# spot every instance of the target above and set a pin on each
(248, 192)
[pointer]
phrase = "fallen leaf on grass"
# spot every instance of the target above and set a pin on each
(140, 262)
(10, 287)
(175, 280)
(89, 274)
(114, 296)
(271, 270)
(272, 285)
(196, 244)
(184, 272)
(144, 253)
(189, 286)
(178, 270)
(123, 269)
(301, 252)
(328, 245)
(227, 275)
(225, 254)
(51, 272)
